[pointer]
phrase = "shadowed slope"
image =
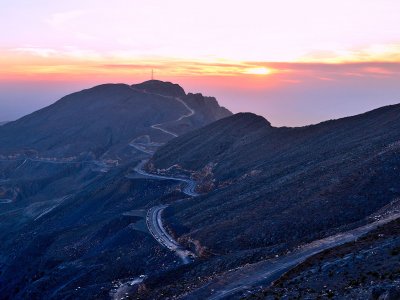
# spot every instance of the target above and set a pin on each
(97, 120)
(285, 185)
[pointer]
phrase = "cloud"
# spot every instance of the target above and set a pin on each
(378, 71)
(376, 52)
(63, 18)
(76, 61)
(36, 51)
(68, 53)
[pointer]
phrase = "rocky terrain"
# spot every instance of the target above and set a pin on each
(284, 185)
(101, 121)
(366, 269)
(229, 198)
(274, 189)
(72, 222)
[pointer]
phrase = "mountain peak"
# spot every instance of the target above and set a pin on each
(250, 118)
(92, 120)
(165, 88)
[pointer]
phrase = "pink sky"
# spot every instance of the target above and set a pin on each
(294, 62)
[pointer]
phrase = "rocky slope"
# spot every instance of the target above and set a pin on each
(104, 119)
(269, 190)
(74, 210)
(72, 222)
(273, 186)
(366, 269)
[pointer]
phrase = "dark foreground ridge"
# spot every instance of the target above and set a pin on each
(275, 185)
(271, 189)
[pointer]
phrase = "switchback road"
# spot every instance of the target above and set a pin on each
(190, 113)
(188, 189)
(154, 216)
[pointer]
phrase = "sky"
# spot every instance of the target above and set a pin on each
(294, 62)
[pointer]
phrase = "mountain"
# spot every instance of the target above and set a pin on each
(267, 191)
(280, 186)
(72, 208)
(146, 192)
(105, 118)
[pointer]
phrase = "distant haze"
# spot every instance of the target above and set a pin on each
(294, 62)
(294, 100)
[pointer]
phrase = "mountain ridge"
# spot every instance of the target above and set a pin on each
(69, 209)
(275, 170)
(98, 221)
(382, 116)
(104, 117)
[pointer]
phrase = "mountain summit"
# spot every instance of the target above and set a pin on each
(161, 87)
(107, 117)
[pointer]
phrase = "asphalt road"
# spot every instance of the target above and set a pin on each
(190, 185)
(264, 273)
(44, 160)
(5, 201)
(190, 113)
(157, 230)
(147, 147)
(154, 216)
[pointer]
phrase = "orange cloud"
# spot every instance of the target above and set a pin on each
(77, 64)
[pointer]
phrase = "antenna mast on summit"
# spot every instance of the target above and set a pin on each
(152, 74)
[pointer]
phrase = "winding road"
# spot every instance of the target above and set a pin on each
(266, 272)
(97, 165)
(5, 201)
(157, 230)
(154, 215)
(47, 161)
(145, 144)
(190, 185)
(190, 113)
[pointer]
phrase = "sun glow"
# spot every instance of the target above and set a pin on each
(258, 71)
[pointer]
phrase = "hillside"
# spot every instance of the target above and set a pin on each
(104, 118)
(281, 186)
(147, 192)
(366, 269)
(72, 209)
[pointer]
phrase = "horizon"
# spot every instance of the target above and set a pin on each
(200, 149)
(186, 91)
(293, 63)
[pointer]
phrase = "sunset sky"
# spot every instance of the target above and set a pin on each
(294, 62)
